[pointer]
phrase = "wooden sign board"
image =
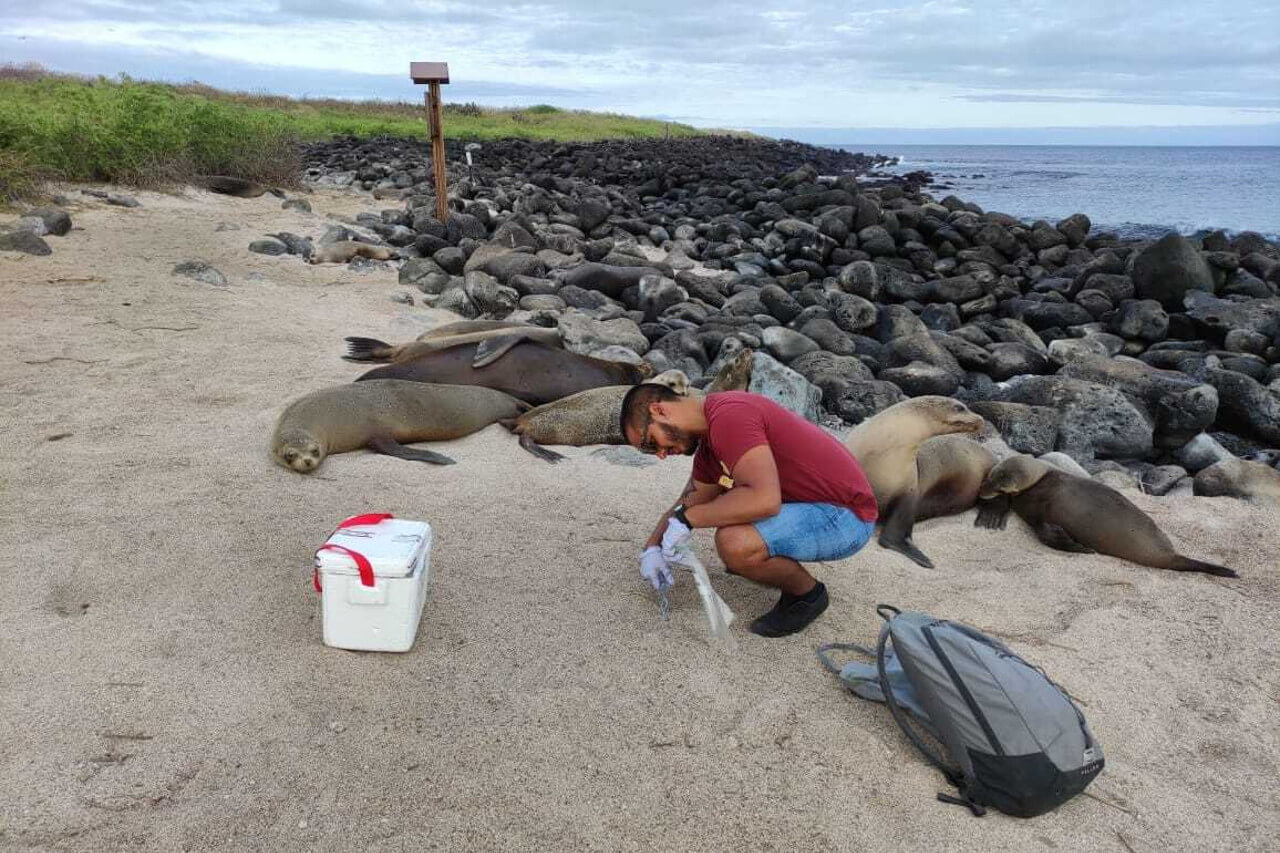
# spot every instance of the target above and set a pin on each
(433, 74)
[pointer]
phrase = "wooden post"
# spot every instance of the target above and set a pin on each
(437, 151)
(433, 74)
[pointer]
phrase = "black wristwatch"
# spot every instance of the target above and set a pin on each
(678, 513)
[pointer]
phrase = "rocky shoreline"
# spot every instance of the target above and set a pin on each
(1145, 362)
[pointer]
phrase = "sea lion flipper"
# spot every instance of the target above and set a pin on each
(368, 349)
(388, 446)
(539, 451)
(1186, 564)
(1056, 537)
(993, 513)
(490, 350)
(909, 550)
(895, 534)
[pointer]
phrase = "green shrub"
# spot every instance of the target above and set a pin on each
(60, 126)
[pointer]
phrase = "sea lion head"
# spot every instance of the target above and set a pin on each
(948, 414)
(674, 379)
(644, 370)
(735, 373)
(298, 450)
(1012, 476)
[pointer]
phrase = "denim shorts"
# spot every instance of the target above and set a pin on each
(809, 533)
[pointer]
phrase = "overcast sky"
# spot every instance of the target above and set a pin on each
(815, 69)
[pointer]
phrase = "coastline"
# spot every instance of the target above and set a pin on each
(1052, 181)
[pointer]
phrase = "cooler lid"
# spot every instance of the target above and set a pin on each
(391, 546)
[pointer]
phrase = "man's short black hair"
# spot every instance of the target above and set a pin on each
(636, 404)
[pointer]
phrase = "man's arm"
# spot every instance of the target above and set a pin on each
(756, 493)
(694, 493)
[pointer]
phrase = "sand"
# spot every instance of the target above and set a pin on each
(163, 685)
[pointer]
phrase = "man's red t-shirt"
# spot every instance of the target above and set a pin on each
(813, 466)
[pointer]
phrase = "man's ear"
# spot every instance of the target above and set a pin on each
(658, 408)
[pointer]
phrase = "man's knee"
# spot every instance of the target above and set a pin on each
(740, 546)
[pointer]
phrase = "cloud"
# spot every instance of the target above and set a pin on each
(803, 61)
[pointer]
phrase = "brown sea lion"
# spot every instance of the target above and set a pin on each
(734, 375)
(886, 444)
(1239, 478)
(588, 417)
(950, 470)
(1080, 514)
(606, 278)
(533, 372)
(382, 416)
(492, 343)
(238, 187)
(343, 251)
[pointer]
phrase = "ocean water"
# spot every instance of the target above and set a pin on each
(1140, 192)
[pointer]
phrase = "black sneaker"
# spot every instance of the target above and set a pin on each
(792, 613)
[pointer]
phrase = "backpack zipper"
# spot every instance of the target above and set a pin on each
(927, 630)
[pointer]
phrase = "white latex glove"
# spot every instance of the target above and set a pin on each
(677, 534)
(654, 568)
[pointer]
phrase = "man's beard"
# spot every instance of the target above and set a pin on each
(688, 444)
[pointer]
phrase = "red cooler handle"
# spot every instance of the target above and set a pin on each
(362, 563)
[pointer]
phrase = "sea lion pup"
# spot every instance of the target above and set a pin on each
(533, 372)
(342, 251)
(238, 187)
(383, 416)
(492, 343)
(950, 470)
(885, 445)
(588, 417)
(1239, 478)
(1080, 514)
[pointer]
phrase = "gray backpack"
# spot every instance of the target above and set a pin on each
(1013, 739)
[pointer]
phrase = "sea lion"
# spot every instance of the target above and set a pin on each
(605, 278)
(734, 374)
(588, 417)
(492, 344)
(342, 251)
(950, 470)
(533, 372)
(238, 187)
(382, 416)
(885, 445)
(1081, 515)
(1239, 478)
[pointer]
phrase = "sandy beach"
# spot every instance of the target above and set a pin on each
(163, 685)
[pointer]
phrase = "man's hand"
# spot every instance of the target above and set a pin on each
(654, 568)
(676, 535)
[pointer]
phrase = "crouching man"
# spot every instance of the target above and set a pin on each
(779, 490)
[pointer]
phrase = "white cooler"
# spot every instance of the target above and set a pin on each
(372, 577)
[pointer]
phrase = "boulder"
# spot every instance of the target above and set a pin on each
(1096, 421)
(1200, 452)
(1168, 269)
(786, 345)
(1026, 429)
(1246, 406)
(829, 336)
(1015, 359)
(850, 312)
(587, 335)
(1178, 406)
(1141, 319)
(918, 379)
(785, 387)
(489, 296)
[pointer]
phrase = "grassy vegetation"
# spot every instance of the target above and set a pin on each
(148, 134)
